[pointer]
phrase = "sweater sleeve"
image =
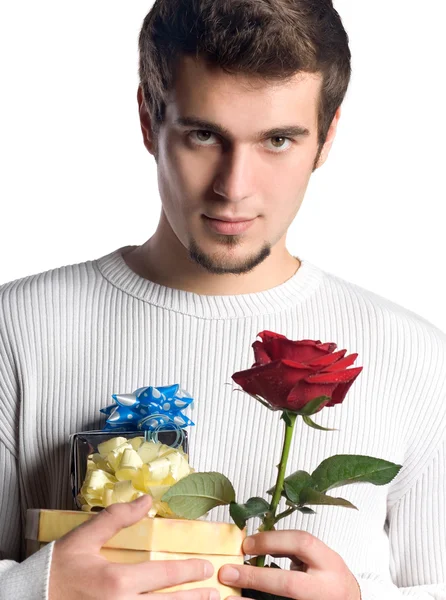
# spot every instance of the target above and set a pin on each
(417, 536)
(27, 580)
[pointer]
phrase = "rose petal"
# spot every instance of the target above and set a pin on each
(322, 384)
(270, 335)
(300, 351)
(304, 392)
(341, 391)
(327, 360)
(342, 364)
(260, 354)
(335, 376)
(272, 381)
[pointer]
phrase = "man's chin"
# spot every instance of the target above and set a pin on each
(221, 262)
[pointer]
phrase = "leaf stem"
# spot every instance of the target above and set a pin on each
(270, 517)
(285, 513)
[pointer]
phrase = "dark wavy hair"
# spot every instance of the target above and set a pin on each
(270, 39)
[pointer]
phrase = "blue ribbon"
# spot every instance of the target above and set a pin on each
(148, 409)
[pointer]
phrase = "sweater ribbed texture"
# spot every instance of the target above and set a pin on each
(71, 337)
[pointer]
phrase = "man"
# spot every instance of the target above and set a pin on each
(239, 103)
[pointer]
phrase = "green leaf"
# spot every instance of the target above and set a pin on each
(254, 507)
(194, 495)
(293, 480)
(306, 511)
(303, 509)
(313, 406)
(286, 417)
(344, 469)
(314, 425)
(294, 483)
(310, 496)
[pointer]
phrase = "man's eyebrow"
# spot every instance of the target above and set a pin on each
(284, 131)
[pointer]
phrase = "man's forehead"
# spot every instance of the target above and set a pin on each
(206, 93)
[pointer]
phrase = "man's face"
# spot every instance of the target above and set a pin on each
(234, 148)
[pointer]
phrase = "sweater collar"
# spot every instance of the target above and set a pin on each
(282, 297)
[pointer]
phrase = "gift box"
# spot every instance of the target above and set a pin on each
(149, 539)
(141, 450)
(84, 443)
(116, 464)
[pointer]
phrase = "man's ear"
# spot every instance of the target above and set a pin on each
(146, 124)
(329, 140)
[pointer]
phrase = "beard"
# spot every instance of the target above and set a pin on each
(219, 263)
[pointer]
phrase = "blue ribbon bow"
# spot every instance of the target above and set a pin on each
(148, 409)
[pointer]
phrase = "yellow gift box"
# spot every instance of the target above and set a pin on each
(149, 539)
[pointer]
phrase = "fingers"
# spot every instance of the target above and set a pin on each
(158, 574)
(196, 594)
(93, 534)
(296, 563)
(274, 581)
(298, 545)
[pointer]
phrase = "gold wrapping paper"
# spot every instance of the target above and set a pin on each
(149, 539)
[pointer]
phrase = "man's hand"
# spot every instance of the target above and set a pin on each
(324, 576)
(79, 571)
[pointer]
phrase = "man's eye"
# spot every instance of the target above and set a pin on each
(279, 143)
(202, 137)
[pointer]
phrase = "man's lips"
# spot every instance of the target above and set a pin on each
(228, 227)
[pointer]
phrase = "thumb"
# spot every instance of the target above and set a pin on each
(109, 521)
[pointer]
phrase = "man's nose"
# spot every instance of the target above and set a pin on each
(235, 178)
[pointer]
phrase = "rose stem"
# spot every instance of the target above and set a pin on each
(269, 519)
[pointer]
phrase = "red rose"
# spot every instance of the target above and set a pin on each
(289, 374)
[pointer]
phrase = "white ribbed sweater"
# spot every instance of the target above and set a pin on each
(71, 337)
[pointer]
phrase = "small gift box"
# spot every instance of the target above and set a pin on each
(120, 462)
(85, 445)
(149, 539)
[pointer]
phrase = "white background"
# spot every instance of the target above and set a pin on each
(77, 183)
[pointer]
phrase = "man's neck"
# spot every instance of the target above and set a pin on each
(177, 270)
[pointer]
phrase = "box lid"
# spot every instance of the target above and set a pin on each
(155, 534)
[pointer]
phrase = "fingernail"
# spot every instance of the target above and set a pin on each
(208, 569)
(248, 544)
(214, 595)
(229, 574)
